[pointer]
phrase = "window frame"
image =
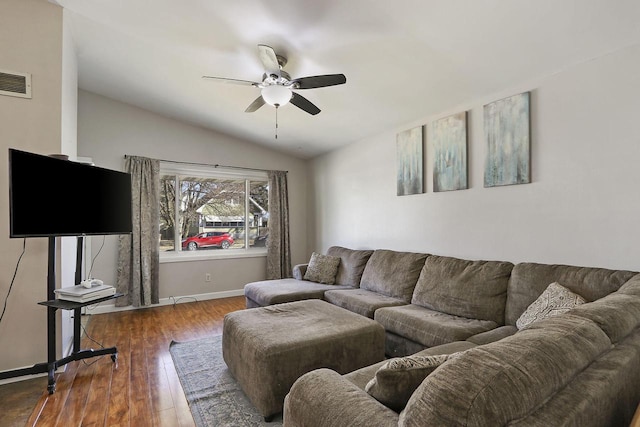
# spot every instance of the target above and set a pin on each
(203, 171)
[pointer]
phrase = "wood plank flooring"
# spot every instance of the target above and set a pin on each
(144, 389)
(18, 399)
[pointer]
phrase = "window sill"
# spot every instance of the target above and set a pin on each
(166, 257)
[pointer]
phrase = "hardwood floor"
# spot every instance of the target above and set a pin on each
(18, 399)
(144, 389)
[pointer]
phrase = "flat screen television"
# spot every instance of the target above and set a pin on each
(49, 197)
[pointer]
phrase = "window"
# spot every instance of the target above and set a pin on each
(208, 211)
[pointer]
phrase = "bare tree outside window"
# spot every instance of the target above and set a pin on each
(212, 205)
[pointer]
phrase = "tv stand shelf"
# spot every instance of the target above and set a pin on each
(72, 305)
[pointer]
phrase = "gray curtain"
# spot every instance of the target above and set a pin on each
(138, 253)
(278, 250)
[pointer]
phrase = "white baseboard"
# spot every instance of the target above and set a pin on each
(29, 377)
(22, 378)
(111, 308)
(43, 374)
(60, 369)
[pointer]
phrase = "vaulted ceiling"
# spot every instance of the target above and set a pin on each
(404, 60)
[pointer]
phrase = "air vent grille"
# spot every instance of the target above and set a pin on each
(15, 84)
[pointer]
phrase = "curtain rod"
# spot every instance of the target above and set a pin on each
(212, 165)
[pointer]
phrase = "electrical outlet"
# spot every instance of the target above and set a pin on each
(207, 277)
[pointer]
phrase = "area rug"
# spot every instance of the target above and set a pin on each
(214, 397)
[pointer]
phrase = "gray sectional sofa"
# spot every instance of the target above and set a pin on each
(579, 368)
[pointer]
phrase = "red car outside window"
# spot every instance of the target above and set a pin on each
(208, 239)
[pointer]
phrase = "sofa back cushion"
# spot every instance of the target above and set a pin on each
(392, 273)
(497, 383)
(616, 314)
(472, 289)
(352, 263)
(632, 286)
(529, 280)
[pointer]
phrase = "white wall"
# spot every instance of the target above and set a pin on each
(30, 42)
(582, 207)
(107, 130)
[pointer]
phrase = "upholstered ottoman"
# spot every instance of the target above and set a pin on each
(268, 348)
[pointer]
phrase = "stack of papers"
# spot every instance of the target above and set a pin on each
(81, 294)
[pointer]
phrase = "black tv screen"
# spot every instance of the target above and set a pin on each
(53, 197)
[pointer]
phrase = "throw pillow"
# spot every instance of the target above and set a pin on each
(397, 379)
(322, 269)
(556, 299)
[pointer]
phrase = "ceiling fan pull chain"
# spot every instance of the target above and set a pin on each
(277, 121)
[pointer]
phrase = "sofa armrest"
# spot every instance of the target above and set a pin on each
(299, 270)
(323, 398)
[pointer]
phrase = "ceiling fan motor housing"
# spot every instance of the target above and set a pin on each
(284, 79)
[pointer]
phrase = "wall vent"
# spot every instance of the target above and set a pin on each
(15, 84)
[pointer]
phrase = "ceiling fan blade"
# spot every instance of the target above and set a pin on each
(320, 81)
(269, 59)
(304, 104)
(231, 81)
(259, 102)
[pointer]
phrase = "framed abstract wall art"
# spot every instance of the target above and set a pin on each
(409, 161)
(450, 153)
(508, 134)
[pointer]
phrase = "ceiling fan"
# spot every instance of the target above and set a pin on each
(277, 87)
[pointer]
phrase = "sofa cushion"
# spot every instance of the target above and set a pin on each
(498, 383)
(393, 274)
(397, 378)
(352, 263)
(616, 314)
(362, 376)
(606, 393)
(269, 292)
(473, 289)
(529, 280)
(429, 327)
(632, 286)
(493, 335)
(556, 299)
(361, 301)
(322, 268)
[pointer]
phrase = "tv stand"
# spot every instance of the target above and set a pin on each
(52, 305)
(77, 353)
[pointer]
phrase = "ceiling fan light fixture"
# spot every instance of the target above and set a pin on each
(277, 87)
(276, 95)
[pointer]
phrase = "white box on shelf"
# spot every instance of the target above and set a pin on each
(81, 294)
